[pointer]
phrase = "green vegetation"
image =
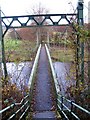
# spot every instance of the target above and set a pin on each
(12, 44)
(65, 54)
(72, 52)
(62, 54)
(19, 50)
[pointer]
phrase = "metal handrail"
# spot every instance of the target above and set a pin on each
(24, 105)
(62, 107)
(33, 71)
(61, 99)
(23, 109)
(52, 70)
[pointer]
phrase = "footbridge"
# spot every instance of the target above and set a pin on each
(44, 101)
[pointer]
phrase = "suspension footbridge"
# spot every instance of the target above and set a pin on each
(44, 100)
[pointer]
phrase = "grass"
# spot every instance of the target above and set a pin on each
(19, 50)
(62, 55)
(65, 54)
(12, 44)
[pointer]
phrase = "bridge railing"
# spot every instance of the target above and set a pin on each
(16, 110)
(52, 70)
(69, 109)
(34, 68)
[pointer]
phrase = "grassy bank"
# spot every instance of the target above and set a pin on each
(67, 54)
(19, 50)
(62, 54)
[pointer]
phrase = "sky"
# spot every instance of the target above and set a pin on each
(23, 7)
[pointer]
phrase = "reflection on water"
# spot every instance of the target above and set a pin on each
(62, 71)
(19, 73)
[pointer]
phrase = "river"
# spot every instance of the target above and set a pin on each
(62, 71)
(19, 74)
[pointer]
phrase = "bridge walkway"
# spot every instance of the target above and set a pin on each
(44, 106)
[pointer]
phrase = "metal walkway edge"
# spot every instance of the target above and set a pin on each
(43, 108)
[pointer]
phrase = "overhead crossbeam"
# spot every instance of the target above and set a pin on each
(36, 20)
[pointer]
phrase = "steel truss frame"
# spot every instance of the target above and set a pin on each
(36, 21)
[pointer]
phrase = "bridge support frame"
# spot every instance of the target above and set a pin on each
(2, 49)
(80, 49)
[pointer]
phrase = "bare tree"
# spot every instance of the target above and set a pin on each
(39, 9)
(42, 31)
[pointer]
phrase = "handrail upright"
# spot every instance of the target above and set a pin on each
(61, 102)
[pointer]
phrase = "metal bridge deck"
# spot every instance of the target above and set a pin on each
(44, 107)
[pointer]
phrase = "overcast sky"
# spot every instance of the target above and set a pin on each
(23, 7)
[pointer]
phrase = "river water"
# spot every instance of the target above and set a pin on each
(19, 74)
(62, 71)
